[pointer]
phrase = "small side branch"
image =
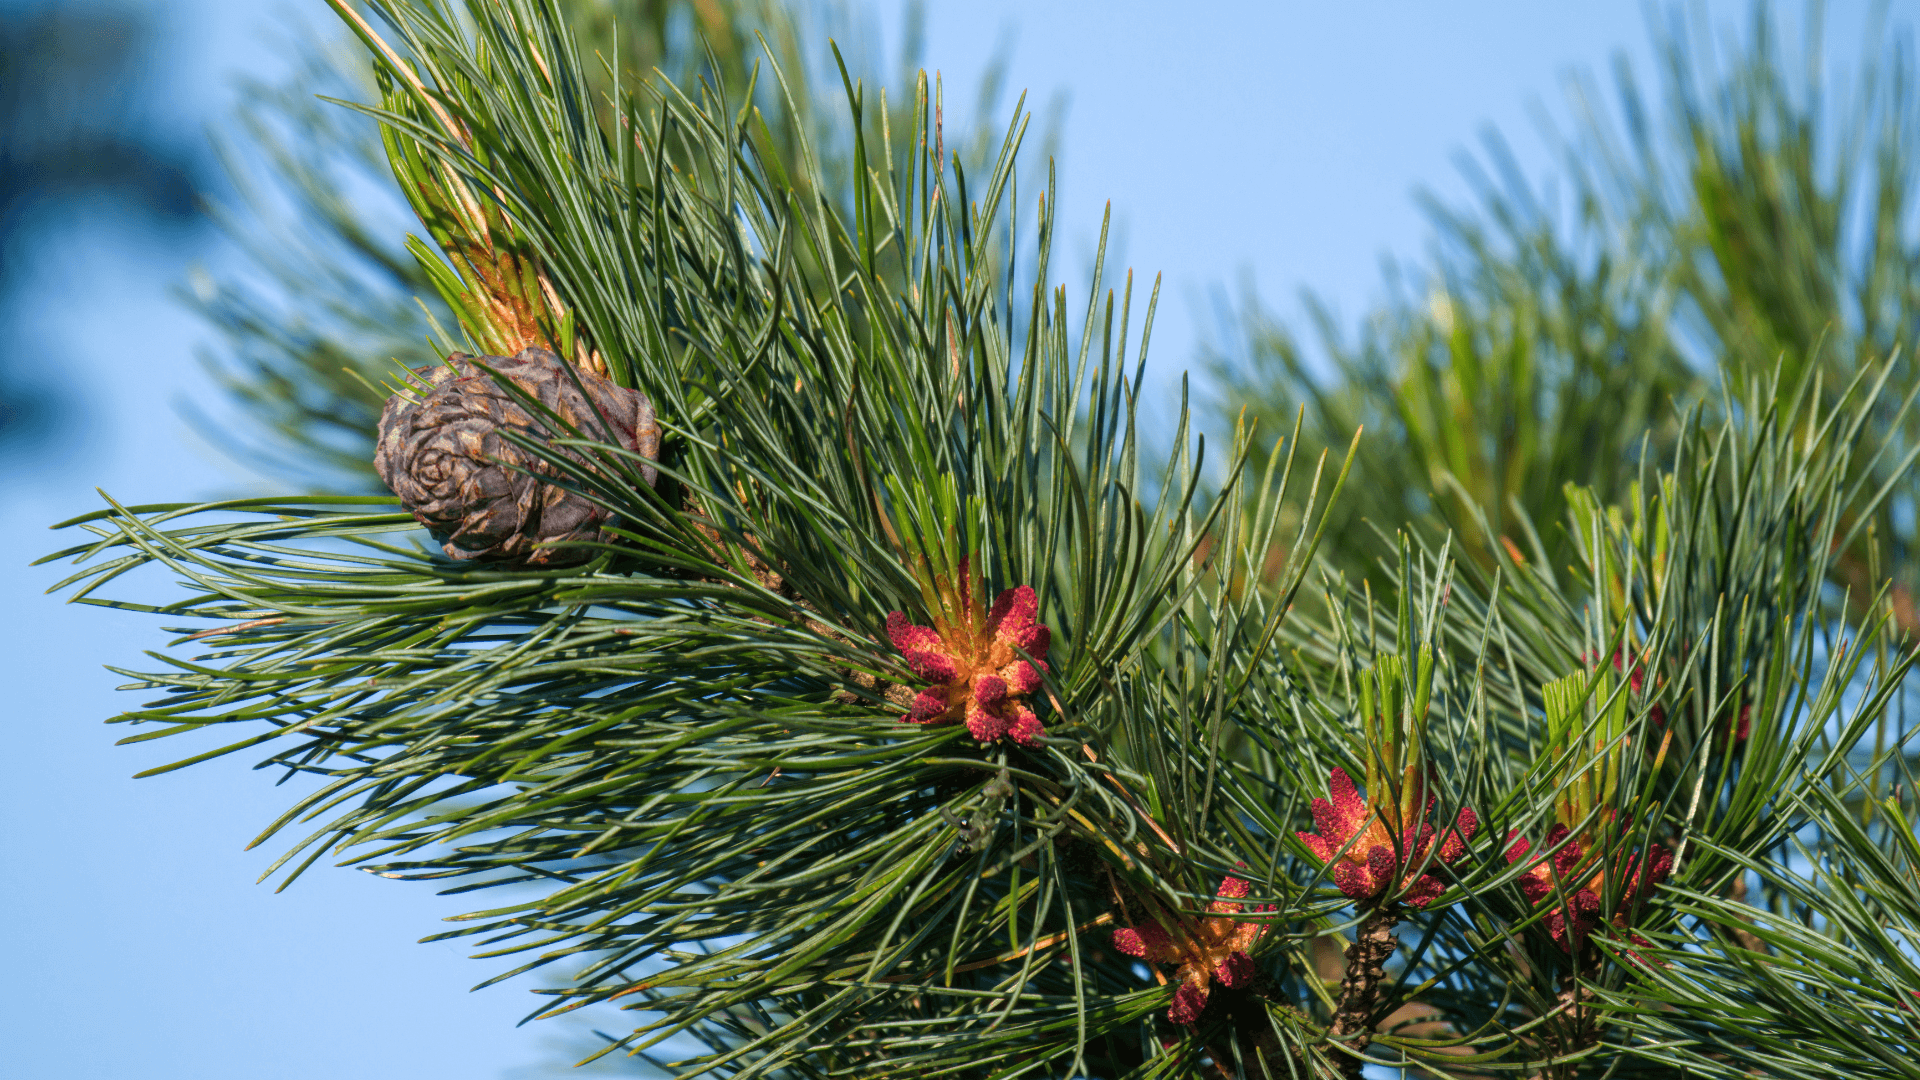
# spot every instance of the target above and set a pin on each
(1360, 988)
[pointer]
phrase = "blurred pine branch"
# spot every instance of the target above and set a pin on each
(1748, 216)
(75, 123)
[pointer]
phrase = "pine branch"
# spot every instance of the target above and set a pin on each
(1353, 1019)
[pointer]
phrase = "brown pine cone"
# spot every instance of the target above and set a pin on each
(444, 454)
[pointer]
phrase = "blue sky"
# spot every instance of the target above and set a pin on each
(1278, 143)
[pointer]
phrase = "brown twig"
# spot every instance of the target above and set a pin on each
(1743, 937)
(237, 627)
(1117, 786)
(1008, 957)
(1367, 957)
(1577, 1033)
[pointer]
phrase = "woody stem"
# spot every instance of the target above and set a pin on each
(1574, 1032)
(1360, 989)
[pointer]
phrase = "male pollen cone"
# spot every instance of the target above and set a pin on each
(1372, 867)
(977, 675)
(1581, 911)
(1206, 950)
(445, 454)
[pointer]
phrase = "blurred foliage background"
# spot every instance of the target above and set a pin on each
(76, 138)
(1741, 210)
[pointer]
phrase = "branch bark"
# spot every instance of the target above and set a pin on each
(1360, 988)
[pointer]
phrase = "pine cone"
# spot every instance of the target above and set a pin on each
(445, 455)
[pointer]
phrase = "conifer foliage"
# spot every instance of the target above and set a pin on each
(883, 713)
